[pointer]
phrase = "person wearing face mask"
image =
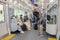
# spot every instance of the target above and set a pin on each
(23, 26)
(27, 21)
(36, 16)
(13, 24)
(19, 23)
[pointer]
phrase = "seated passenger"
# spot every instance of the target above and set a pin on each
(13, 24)
(27, 22)
(19, 22)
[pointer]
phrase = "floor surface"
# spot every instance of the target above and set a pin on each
(30, 35)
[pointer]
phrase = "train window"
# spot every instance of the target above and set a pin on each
(52, 14)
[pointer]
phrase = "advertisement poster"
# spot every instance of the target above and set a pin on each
(1, 13)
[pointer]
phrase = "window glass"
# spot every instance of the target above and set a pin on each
(52, 14)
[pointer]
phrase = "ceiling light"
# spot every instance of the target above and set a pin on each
(10, 6)
(10, 0)
(51, 0)
(15, 2)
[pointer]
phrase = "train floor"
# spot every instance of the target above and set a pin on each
(30, 35)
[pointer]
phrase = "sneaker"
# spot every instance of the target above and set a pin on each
(29, 29)
(22, 32)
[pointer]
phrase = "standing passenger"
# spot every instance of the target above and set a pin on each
(36, 16)
(41, 22)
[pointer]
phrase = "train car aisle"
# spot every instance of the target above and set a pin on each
(30, 35)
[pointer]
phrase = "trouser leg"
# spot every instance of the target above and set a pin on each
(20, 29)
(40, 29)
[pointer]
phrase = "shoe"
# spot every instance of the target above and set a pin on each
(29, 29)
(22, 32)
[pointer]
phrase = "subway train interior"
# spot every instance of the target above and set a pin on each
(29, 20)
